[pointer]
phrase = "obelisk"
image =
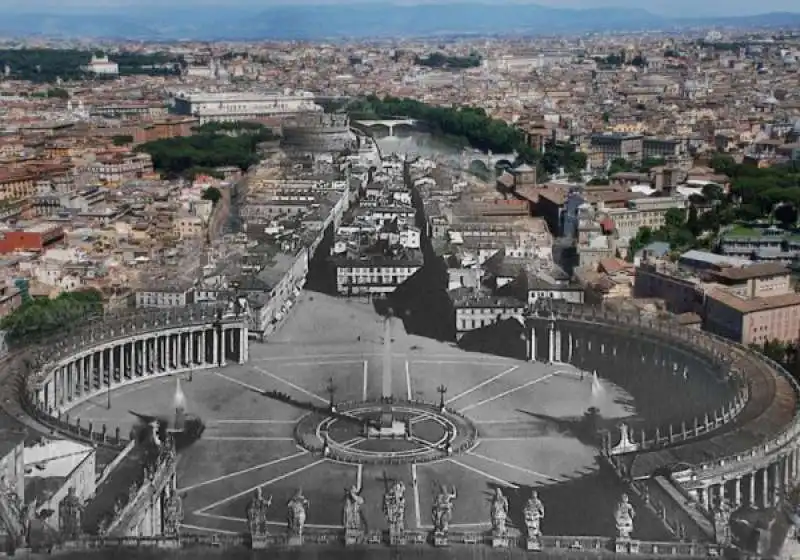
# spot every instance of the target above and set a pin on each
(386, 385)
(387, 415)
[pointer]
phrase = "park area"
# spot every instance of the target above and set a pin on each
(527, 417)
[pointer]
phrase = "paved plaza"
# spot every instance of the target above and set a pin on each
(522, 412)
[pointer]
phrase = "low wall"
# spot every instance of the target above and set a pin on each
(470, 544)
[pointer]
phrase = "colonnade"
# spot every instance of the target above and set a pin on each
(556, 351)
(763, 486)
(131, 359)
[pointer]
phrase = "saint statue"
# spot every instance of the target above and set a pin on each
(394, 506)
(534, 513)
(722, 522)
(69, 515)
(443, 509)
(297, 506)
(624, 515)
(173, 514)
(257, 514)
(351, 513)
(499, 512)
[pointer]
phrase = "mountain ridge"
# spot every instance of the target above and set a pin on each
(360, 20)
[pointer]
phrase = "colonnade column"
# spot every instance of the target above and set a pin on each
(215, 346)
(242, 345)
(752, 494)
(532, 341)
(551, 344)
(765, 487)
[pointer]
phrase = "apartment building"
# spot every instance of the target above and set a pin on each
(605, 148)
(643, 212)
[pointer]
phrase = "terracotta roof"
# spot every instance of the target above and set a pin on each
(755, 304)
(760, 270)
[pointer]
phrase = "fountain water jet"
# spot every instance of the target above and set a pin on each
(597, 388)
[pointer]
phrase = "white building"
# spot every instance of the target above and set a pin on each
(101, 65)
(234, 106)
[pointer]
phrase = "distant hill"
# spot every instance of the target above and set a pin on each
(360, 20)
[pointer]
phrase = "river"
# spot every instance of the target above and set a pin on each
(417, 142)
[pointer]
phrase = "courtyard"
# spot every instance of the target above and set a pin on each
(524, 414)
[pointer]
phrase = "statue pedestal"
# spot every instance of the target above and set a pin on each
(295, 540)
(353, 536)
(397, 537)
(258, 542)
(440, 539)
(533, 543)
(499, 540)
(626, 545)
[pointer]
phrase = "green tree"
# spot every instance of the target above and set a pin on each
(57, 92)
(122, 139)
(38, 318)
(213, 194)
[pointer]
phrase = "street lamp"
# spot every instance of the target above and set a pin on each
(442, 390)
(331, 388)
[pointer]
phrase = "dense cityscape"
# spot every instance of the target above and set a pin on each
(498, 297)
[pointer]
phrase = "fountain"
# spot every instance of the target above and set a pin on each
(597, 388)
(179, 401)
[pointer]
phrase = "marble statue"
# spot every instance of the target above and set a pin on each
(352, 516)
(257, 514)
(722, 522)
(442, 511)
(534, 513)
(297, 506)
(70, 511)
(173, 515)
(623, 516)
(394, 507)
(499, 512)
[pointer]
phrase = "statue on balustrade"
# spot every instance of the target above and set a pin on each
(257, 518)
(534, 513)
(352, 516)
(499, 513)
(173, 514)
(70, 511)
(442, 511)
(394, 508)
(297, 506)
(623, 516)
(722, 522)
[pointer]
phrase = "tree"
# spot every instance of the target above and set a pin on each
(213, 194)
(122, 139)
(692, 223)
(37, 318)
(723, 163)
(674, 218)
(57, 92)
(786, 214)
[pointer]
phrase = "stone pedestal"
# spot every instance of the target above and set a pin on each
(440, 539)
(626, 545)
(533, 543)
(396, 537)
(258, 542)
(295, 540)
(499, 540)
(353, 536)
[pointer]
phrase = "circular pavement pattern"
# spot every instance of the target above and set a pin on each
(387, 433)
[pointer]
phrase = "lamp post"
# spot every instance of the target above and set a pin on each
(442, 390)
(331, 388)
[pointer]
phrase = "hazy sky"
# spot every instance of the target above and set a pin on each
(680, 8)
